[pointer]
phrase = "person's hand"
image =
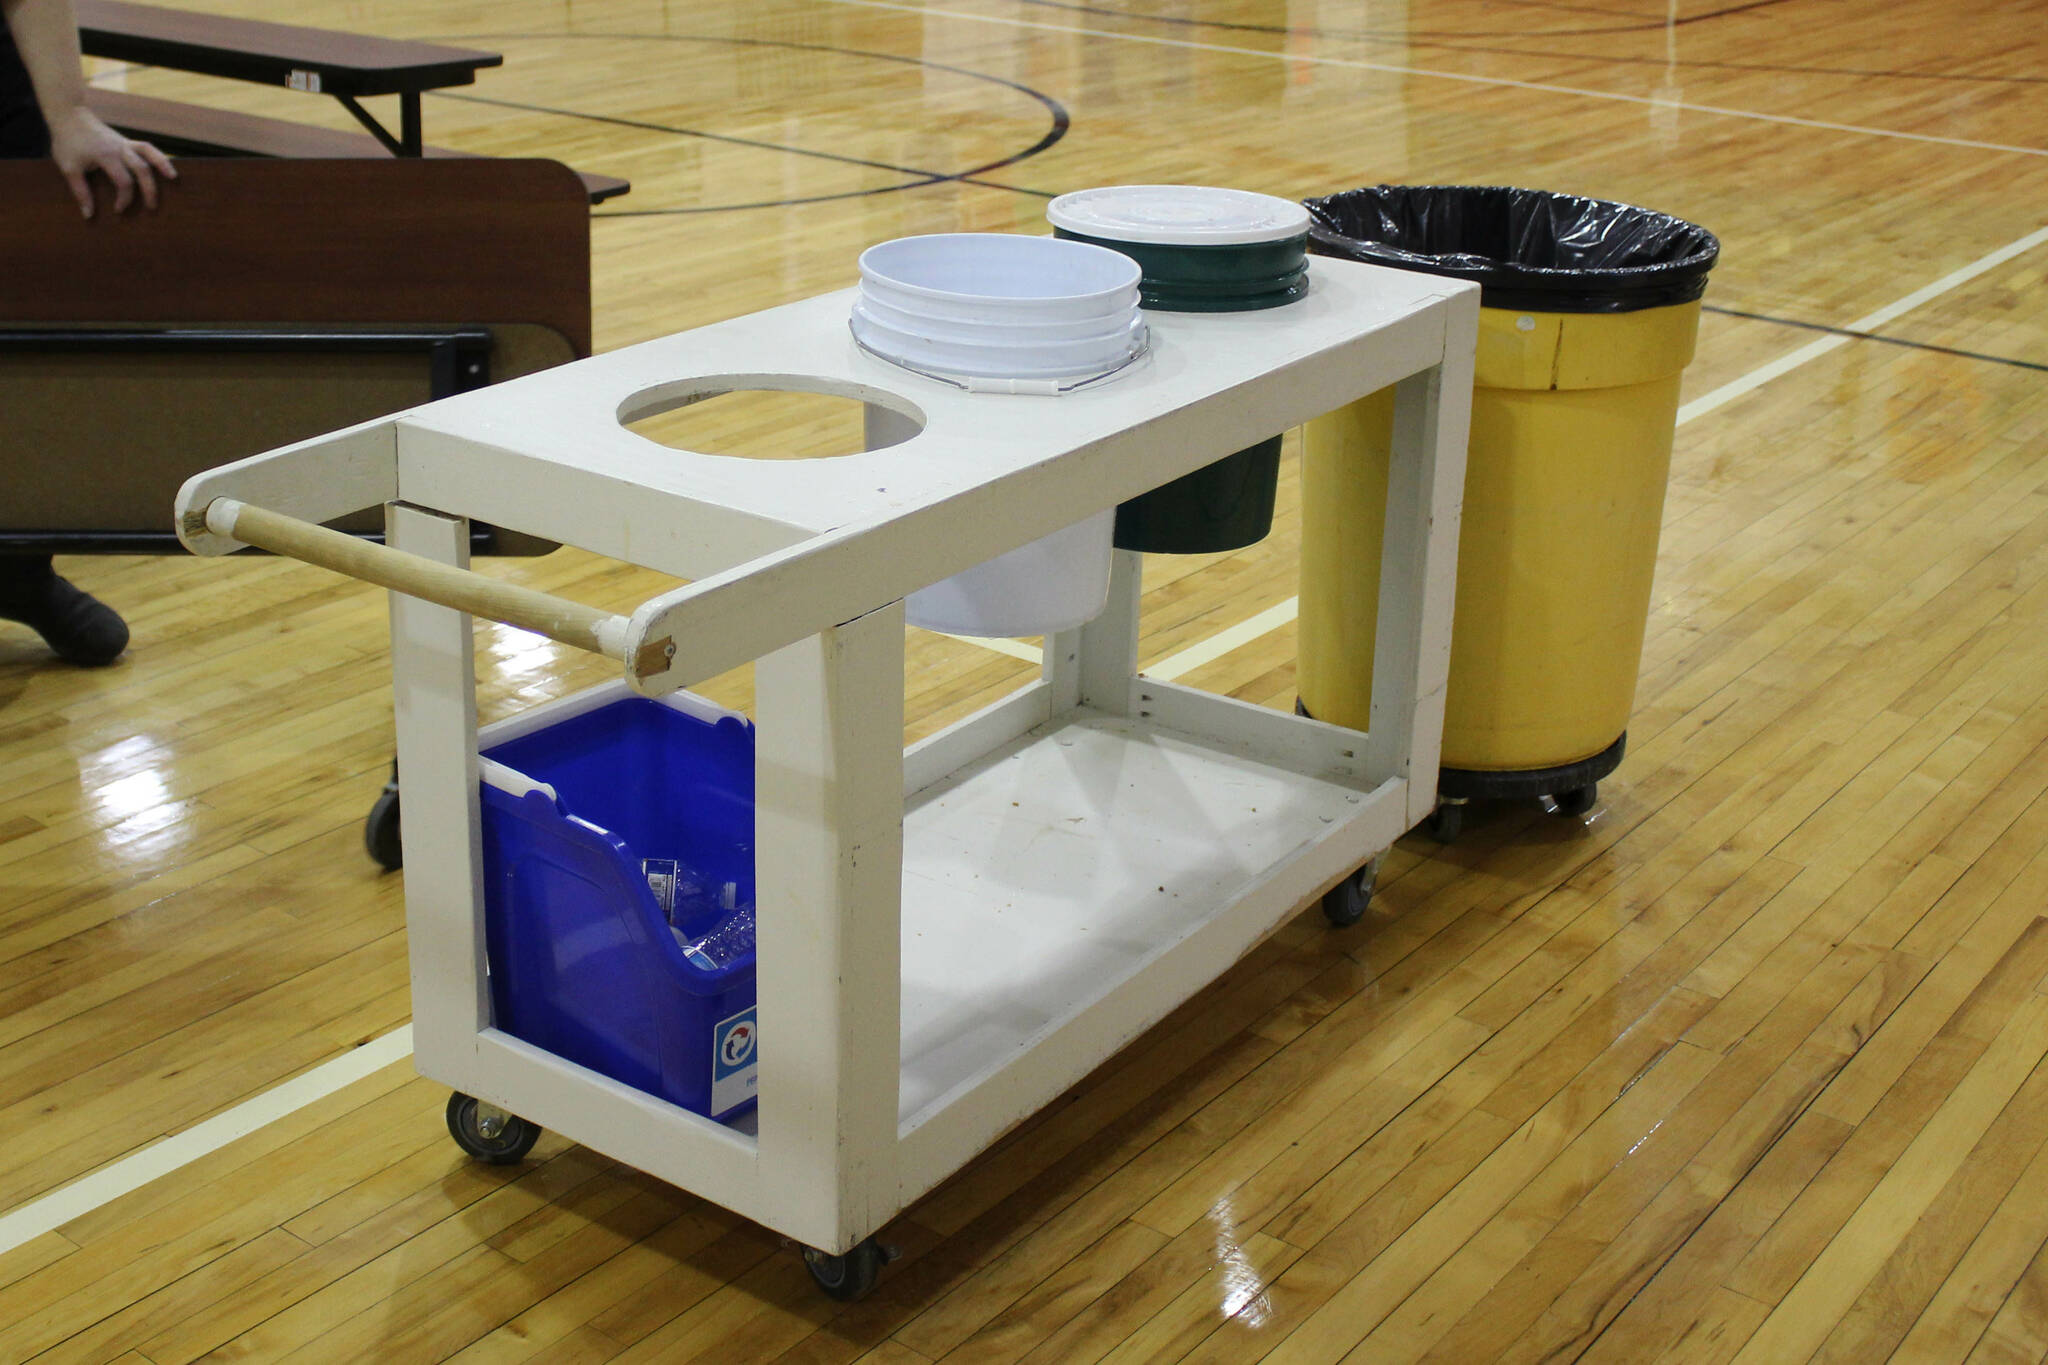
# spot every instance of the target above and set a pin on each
(82, 143)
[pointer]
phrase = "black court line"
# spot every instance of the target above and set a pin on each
(919, 177)
(1410, 35)
(1012, 189)
(926, 176)
(1877, 336)
(1445, 40)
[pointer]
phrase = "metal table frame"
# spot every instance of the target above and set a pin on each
(347, 66)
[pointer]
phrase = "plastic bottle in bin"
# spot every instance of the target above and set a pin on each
(686, 899)
(731, 939)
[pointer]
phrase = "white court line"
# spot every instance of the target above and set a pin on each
(1217, 645)
(1870, 322)
(130, 1173)
(1396, 69)
(1016, 649)
(1166, 670)
(1173, 665)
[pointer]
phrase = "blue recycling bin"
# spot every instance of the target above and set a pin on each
(584, 962)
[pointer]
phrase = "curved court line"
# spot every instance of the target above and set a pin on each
(1395, 69)
(921, 177)
(130, 1173)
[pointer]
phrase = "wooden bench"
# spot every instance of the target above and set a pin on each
(195, 130)
(345, 66)
(263, 302)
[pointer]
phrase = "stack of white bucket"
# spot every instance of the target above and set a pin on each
(995, 313)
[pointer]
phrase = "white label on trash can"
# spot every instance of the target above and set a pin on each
(735, 1048)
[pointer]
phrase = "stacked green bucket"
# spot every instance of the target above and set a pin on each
(1202, 250)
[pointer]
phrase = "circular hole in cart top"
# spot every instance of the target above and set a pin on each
(770, 417)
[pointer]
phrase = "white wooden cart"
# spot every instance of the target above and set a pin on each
(950, 935)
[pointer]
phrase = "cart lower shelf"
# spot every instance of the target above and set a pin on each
(1042, 878)
(1061, 893)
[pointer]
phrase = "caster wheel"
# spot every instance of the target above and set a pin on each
(1577, 801)
(847, 1277)
(488, 1133)
(380, 830)
(1345, 903)
(1446, 822)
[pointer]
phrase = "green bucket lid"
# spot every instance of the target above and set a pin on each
(1202, 248)
(1178, 215)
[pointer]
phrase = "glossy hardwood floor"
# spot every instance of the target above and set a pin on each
(1746, 1065)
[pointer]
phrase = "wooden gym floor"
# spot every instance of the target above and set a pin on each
(1745, 1065)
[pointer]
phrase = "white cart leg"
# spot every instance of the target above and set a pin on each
(434, 696)
(1109, 643)
(1060, 667)
(1093, 664)
(829, 826)
(1419, 567)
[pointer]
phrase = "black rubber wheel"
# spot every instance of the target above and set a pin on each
(847, 1277)
(380, 830)
(1577, 801)
(508, 1145)
(1345, 903)
(1446, 822)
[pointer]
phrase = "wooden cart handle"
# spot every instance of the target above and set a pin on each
(570, 623)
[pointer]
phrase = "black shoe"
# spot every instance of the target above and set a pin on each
(81, 628)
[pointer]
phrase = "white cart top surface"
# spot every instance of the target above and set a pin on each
(1213, 370)
(775, 550)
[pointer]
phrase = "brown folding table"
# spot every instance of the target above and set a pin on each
(318, 61)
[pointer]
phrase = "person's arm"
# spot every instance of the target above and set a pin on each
(46, 34)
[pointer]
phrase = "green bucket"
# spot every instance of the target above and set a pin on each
(1200, 250)
(1213, 279)
(1224, 506)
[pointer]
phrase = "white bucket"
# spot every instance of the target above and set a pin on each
(999, 278)
(996, 312)
(1016, 355)
(989, 309)
(1053, 584)
(1028, 332)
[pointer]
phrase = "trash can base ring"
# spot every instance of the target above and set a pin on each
(1528, 783)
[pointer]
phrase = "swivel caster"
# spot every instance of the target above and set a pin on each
(1345, 903)
(1447, 821)
(380, 830)
(1574, 801)
(488, 1133)
(851, 1276)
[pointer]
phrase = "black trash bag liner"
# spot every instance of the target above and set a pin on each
(1527, 249)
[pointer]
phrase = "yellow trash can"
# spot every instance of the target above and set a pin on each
(1588, 315)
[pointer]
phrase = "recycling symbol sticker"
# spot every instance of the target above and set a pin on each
(733, 1044)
